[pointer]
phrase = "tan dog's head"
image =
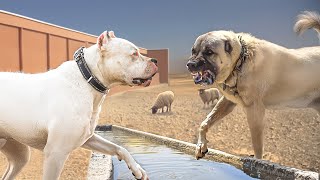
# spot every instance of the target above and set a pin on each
(121, 62)
(214, 55)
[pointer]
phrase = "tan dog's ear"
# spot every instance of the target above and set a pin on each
(227, 47)
(104, 38)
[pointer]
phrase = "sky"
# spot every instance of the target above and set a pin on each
(174, 24)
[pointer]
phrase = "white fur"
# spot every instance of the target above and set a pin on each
(57, 111)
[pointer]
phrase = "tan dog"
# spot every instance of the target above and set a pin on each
(256, 75)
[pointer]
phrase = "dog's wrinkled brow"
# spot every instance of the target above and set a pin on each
(210, 43)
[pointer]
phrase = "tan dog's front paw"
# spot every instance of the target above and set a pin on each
(201, 150)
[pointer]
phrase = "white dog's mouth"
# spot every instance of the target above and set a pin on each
(143, 81)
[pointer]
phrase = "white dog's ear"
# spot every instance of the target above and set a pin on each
(111, 34)
(104, 38)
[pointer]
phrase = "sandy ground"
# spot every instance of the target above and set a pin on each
(75, 167)
(292, 136)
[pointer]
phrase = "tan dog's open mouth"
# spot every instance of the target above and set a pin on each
(204, 74)
(143, 82)
(205, 77)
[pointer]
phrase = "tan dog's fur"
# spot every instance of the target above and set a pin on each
(272, 76)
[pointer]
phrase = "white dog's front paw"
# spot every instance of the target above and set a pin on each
(139, 173)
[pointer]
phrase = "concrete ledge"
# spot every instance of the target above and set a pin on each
(254, 167)
(269, 170)
(186, 147)
(100, 167)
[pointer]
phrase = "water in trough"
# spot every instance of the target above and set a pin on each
(164, 163)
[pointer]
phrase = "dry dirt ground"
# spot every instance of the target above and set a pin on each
(291, 138)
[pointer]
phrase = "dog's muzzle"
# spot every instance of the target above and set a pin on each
(202, 71)
(195, 66)
(145, 81)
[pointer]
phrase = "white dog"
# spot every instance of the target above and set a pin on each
(57, 111)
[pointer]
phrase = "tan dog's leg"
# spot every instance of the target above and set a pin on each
(17, 155)
(255, 115)
(2, 142)
(223, 108)
(99, 144)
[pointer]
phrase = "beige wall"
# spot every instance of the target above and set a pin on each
(33, 46)
(9, 48)
(162, 56)
(34, 51)
(57, 51)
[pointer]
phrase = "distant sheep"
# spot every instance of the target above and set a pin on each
(209, 95)
(164, 99)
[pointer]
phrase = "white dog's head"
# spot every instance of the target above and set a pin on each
(120, 62)
(214, 55)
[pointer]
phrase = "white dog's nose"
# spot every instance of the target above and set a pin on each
(154, 61)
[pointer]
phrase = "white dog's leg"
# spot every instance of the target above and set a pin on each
(60, 143)
(255, 115)
(17, 155)
(53, 163)
(99, 144)
(223, 108)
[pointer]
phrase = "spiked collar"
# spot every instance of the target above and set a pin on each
(238, 66)
(86, 72)
(243, 55)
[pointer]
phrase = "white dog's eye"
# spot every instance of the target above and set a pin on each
(135, 53)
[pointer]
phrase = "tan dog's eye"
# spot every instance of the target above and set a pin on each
(208, 52)
(193, 51)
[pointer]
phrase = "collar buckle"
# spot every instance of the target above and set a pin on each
(86, 72)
